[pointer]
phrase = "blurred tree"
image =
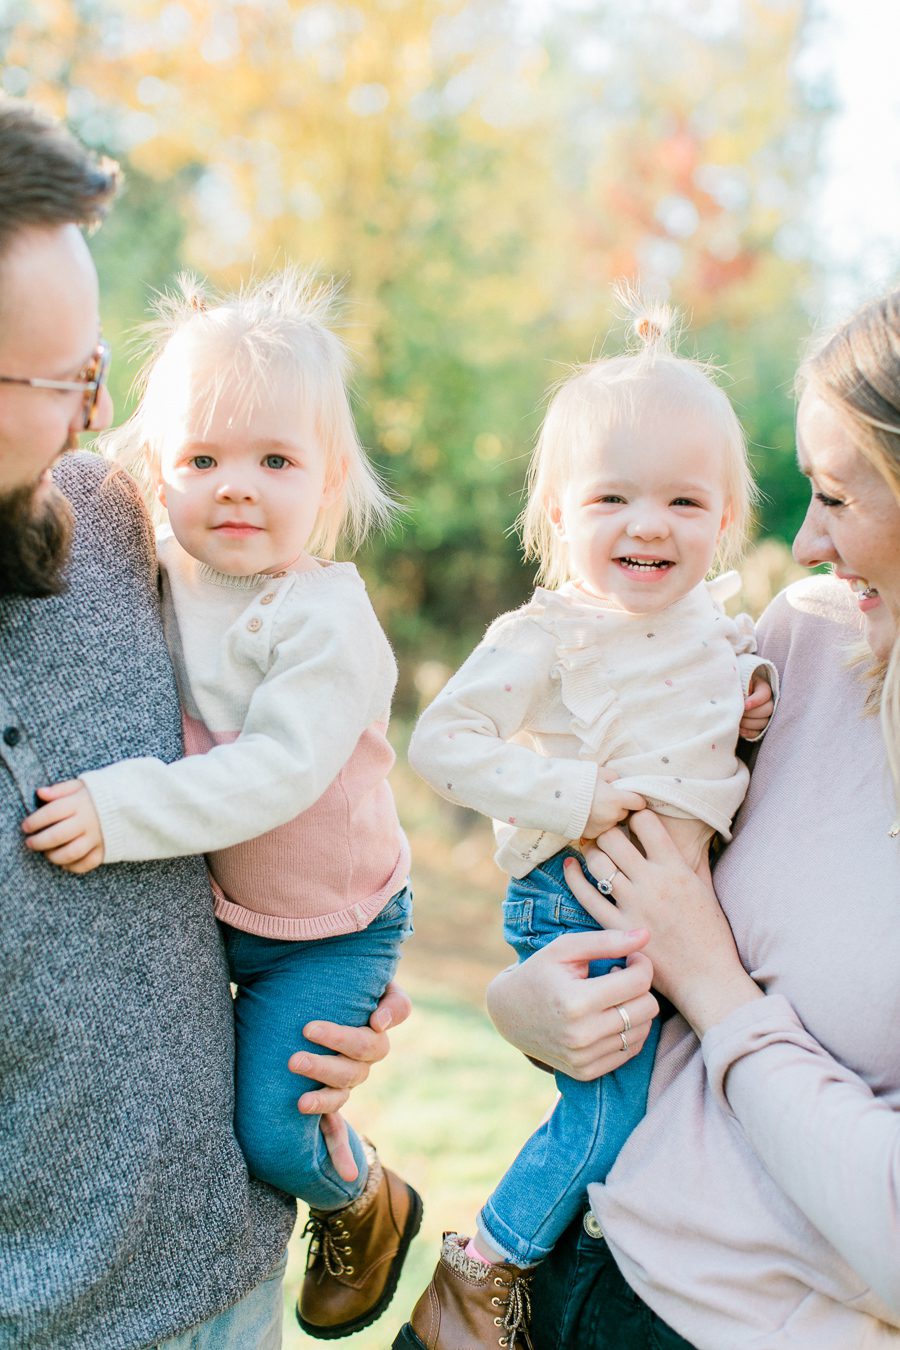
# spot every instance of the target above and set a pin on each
(478, 182)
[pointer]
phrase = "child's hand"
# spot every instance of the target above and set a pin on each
(759, 706)
(67, 828)
(610, 805)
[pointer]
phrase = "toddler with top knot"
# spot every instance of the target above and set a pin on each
(621, 684)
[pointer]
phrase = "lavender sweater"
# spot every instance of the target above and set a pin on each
(126, 1212)
(757, 1206)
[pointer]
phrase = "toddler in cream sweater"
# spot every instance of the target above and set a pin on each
(621, 683)
(245, 432)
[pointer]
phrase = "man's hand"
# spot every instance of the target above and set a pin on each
(759, 706)
(356, 1049)
(66, 829)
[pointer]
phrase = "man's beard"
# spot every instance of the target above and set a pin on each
(36, 526)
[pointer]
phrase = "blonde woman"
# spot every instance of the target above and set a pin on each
(758, 1202)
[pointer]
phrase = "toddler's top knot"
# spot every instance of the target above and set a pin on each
(647, 330)
(652, 322)
(653, 326)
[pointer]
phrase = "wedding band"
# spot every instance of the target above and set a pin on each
(605, 884)
(624, 1039)
(626, 1020)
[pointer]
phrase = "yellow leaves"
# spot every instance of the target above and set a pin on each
(428, 139)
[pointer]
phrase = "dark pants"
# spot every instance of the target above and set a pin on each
(579, 1298)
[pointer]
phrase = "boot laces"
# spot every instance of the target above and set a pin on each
(327, 1233)
(517, 1314)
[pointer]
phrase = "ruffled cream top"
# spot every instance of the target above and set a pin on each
(567, 683)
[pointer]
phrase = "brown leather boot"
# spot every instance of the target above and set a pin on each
(470, 1306)
(356, 1255)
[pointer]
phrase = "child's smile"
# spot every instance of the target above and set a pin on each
(641, 514)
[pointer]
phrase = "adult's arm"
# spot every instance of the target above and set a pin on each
(831, 1145)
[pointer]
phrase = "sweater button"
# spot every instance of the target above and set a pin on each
(254, 625)
(267, 598)
(591, 1225)
(12, 735)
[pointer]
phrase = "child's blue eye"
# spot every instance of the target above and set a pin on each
(275, 462)
(203, 462)
(685, 501)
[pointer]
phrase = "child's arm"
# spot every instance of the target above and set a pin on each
(463, 744)
(304, 720)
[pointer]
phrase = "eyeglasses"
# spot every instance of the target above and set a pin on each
(89, 382)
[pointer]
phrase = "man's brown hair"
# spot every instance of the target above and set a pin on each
(46, 176)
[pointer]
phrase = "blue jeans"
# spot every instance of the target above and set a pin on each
(544, 1189)
(252, 1324)
(280, 987)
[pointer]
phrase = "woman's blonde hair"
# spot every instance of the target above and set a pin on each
(274, 329)
(856, 370)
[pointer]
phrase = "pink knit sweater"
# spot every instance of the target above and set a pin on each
(757, 1206)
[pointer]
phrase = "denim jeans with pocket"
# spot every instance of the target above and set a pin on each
(581, 1298)
(281, 986)
(544, 1189)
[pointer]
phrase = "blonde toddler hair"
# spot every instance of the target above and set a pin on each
(596, 397)
(274, 329)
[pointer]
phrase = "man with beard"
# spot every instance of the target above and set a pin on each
(127, 1218)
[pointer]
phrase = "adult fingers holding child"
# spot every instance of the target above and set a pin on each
(353, 1051)
(690, 939)
(577, 1014)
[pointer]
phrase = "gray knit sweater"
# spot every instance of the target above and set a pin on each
(126, 1213)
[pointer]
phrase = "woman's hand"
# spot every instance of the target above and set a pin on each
(550, 1008)
(695, 960)
(356, 1049)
